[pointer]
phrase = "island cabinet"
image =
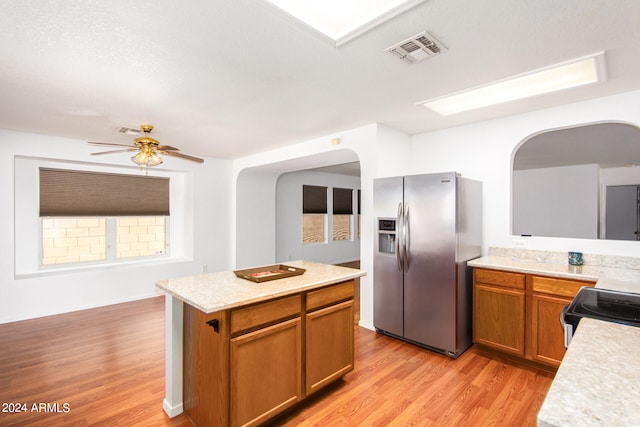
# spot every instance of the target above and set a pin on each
(245, 365)
(265, 360)
(519, 314)
(329, 337)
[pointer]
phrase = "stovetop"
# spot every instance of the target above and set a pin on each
(605, 304)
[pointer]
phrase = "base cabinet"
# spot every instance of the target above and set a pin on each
(519, 314)
(266, 372)
(500, 319)
(547, 297)
(329, 345)
(499, 310)
(547, 338)
(244, 366)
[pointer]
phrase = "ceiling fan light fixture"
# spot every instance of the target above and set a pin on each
(154, 159)
(139, 159)
(147, 149)
(147, 157)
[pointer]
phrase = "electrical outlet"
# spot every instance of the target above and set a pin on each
(520, 242)
(204, 268)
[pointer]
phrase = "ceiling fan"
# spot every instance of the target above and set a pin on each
(148, 150)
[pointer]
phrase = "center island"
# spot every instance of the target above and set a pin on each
(240, 352)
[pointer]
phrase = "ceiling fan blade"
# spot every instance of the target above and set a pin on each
(109, 144)
(182, 156)
(167, 148)
(115, 151)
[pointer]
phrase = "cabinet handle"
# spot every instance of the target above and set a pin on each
(214, 324)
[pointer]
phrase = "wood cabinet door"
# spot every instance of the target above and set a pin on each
(205, 367)
(329, 345)
(266, 372)
(547, 335)
(499, 318)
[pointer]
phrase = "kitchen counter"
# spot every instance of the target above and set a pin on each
(598, 381)
(222, 291)
(624, 279)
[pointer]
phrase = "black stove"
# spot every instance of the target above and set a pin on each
(604, 304)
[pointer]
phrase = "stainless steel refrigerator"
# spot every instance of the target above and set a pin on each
(427, 228)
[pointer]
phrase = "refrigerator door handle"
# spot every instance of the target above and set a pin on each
(406, 236)
(399, 226)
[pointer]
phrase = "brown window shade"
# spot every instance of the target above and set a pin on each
(314, 199)
(342, 201)
(81, 193)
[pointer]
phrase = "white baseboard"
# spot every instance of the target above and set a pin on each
(172, 411)
(366, 325)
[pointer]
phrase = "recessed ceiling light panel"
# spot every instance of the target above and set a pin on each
(343, 20)
(578, 72)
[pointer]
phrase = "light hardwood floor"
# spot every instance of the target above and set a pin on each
(107, 365)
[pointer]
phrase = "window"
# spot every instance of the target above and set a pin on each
(89, 217)
(140, 236)
(70, 240)
(67, 240)
(342, 213)
(314, 214)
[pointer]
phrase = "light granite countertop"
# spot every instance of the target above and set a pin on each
(598, 381)
(212, 292)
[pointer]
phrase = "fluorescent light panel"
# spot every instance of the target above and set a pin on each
(575, 73)
(342, 20)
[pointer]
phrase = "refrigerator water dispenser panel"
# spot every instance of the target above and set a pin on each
(387, 236)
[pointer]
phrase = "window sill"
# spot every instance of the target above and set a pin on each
(50, 271)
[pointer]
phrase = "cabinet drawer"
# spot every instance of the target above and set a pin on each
(330, 294)
(559, 287)
(251, 317)
(500, 278)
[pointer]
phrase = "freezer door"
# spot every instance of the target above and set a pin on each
(430, 265)
(387, 275)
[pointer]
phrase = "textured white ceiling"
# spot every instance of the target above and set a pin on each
(230, 78)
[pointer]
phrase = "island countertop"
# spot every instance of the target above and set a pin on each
(212, 292)
(598, 381)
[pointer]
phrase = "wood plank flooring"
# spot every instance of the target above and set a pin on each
(400, 384)
(107, 366)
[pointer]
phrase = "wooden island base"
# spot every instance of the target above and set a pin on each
(245, 365)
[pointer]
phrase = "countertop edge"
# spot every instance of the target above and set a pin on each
(167, 286)
(532, 267)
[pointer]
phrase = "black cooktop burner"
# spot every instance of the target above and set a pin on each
(605, 304)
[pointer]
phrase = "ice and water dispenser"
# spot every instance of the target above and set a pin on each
(387, 235)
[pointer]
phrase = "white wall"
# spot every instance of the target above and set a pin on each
(620, 176)
(255, 232)
(560, 201)
(289, 244)
(207, 210)
(379, 149)
(484, 151)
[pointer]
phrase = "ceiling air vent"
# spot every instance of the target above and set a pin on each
(416, 48)
(129, 131)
